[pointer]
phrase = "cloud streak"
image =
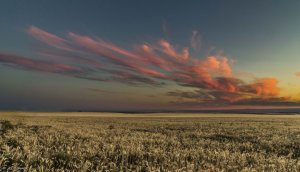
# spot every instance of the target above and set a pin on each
(153, 64)
(196, 40)
(38, 65)
(48, 38)
(215, 98)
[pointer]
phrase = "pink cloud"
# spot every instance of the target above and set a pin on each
(37, 65)
(150, 72)
(204, 73)
(48, 38)
(147, 63)
(117, 49)
(147, 52)
(225, 67)
(169, 50)
(73, 58)
(107, 50)
(100, 46)
(96, 47)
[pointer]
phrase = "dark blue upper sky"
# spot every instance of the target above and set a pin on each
(222, 23)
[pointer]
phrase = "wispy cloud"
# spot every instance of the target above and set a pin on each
(196, 41)
(214, 98)
(93, 58)
(115, 54)
(100, 90)
(169, 50)
(38, 65)
(48, 38)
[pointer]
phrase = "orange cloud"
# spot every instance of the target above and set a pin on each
(225, 67)
(205, 73)
(266, 87)
(297, 74)
(160, 61)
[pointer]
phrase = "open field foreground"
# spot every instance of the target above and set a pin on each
(148, 142)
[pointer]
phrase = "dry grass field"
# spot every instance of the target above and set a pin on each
(148, 142)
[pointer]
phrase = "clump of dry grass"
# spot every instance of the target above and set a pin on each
(79, 143)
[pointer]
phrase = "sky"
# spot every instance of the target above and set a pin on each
(149, 55)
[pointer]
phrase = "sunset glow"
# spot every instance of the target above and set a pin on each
(109, 58)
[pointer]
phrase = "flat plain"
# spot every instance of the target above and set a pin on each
(40, 141)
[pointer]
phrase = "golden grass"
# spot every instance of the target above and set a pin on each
(42, 141)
